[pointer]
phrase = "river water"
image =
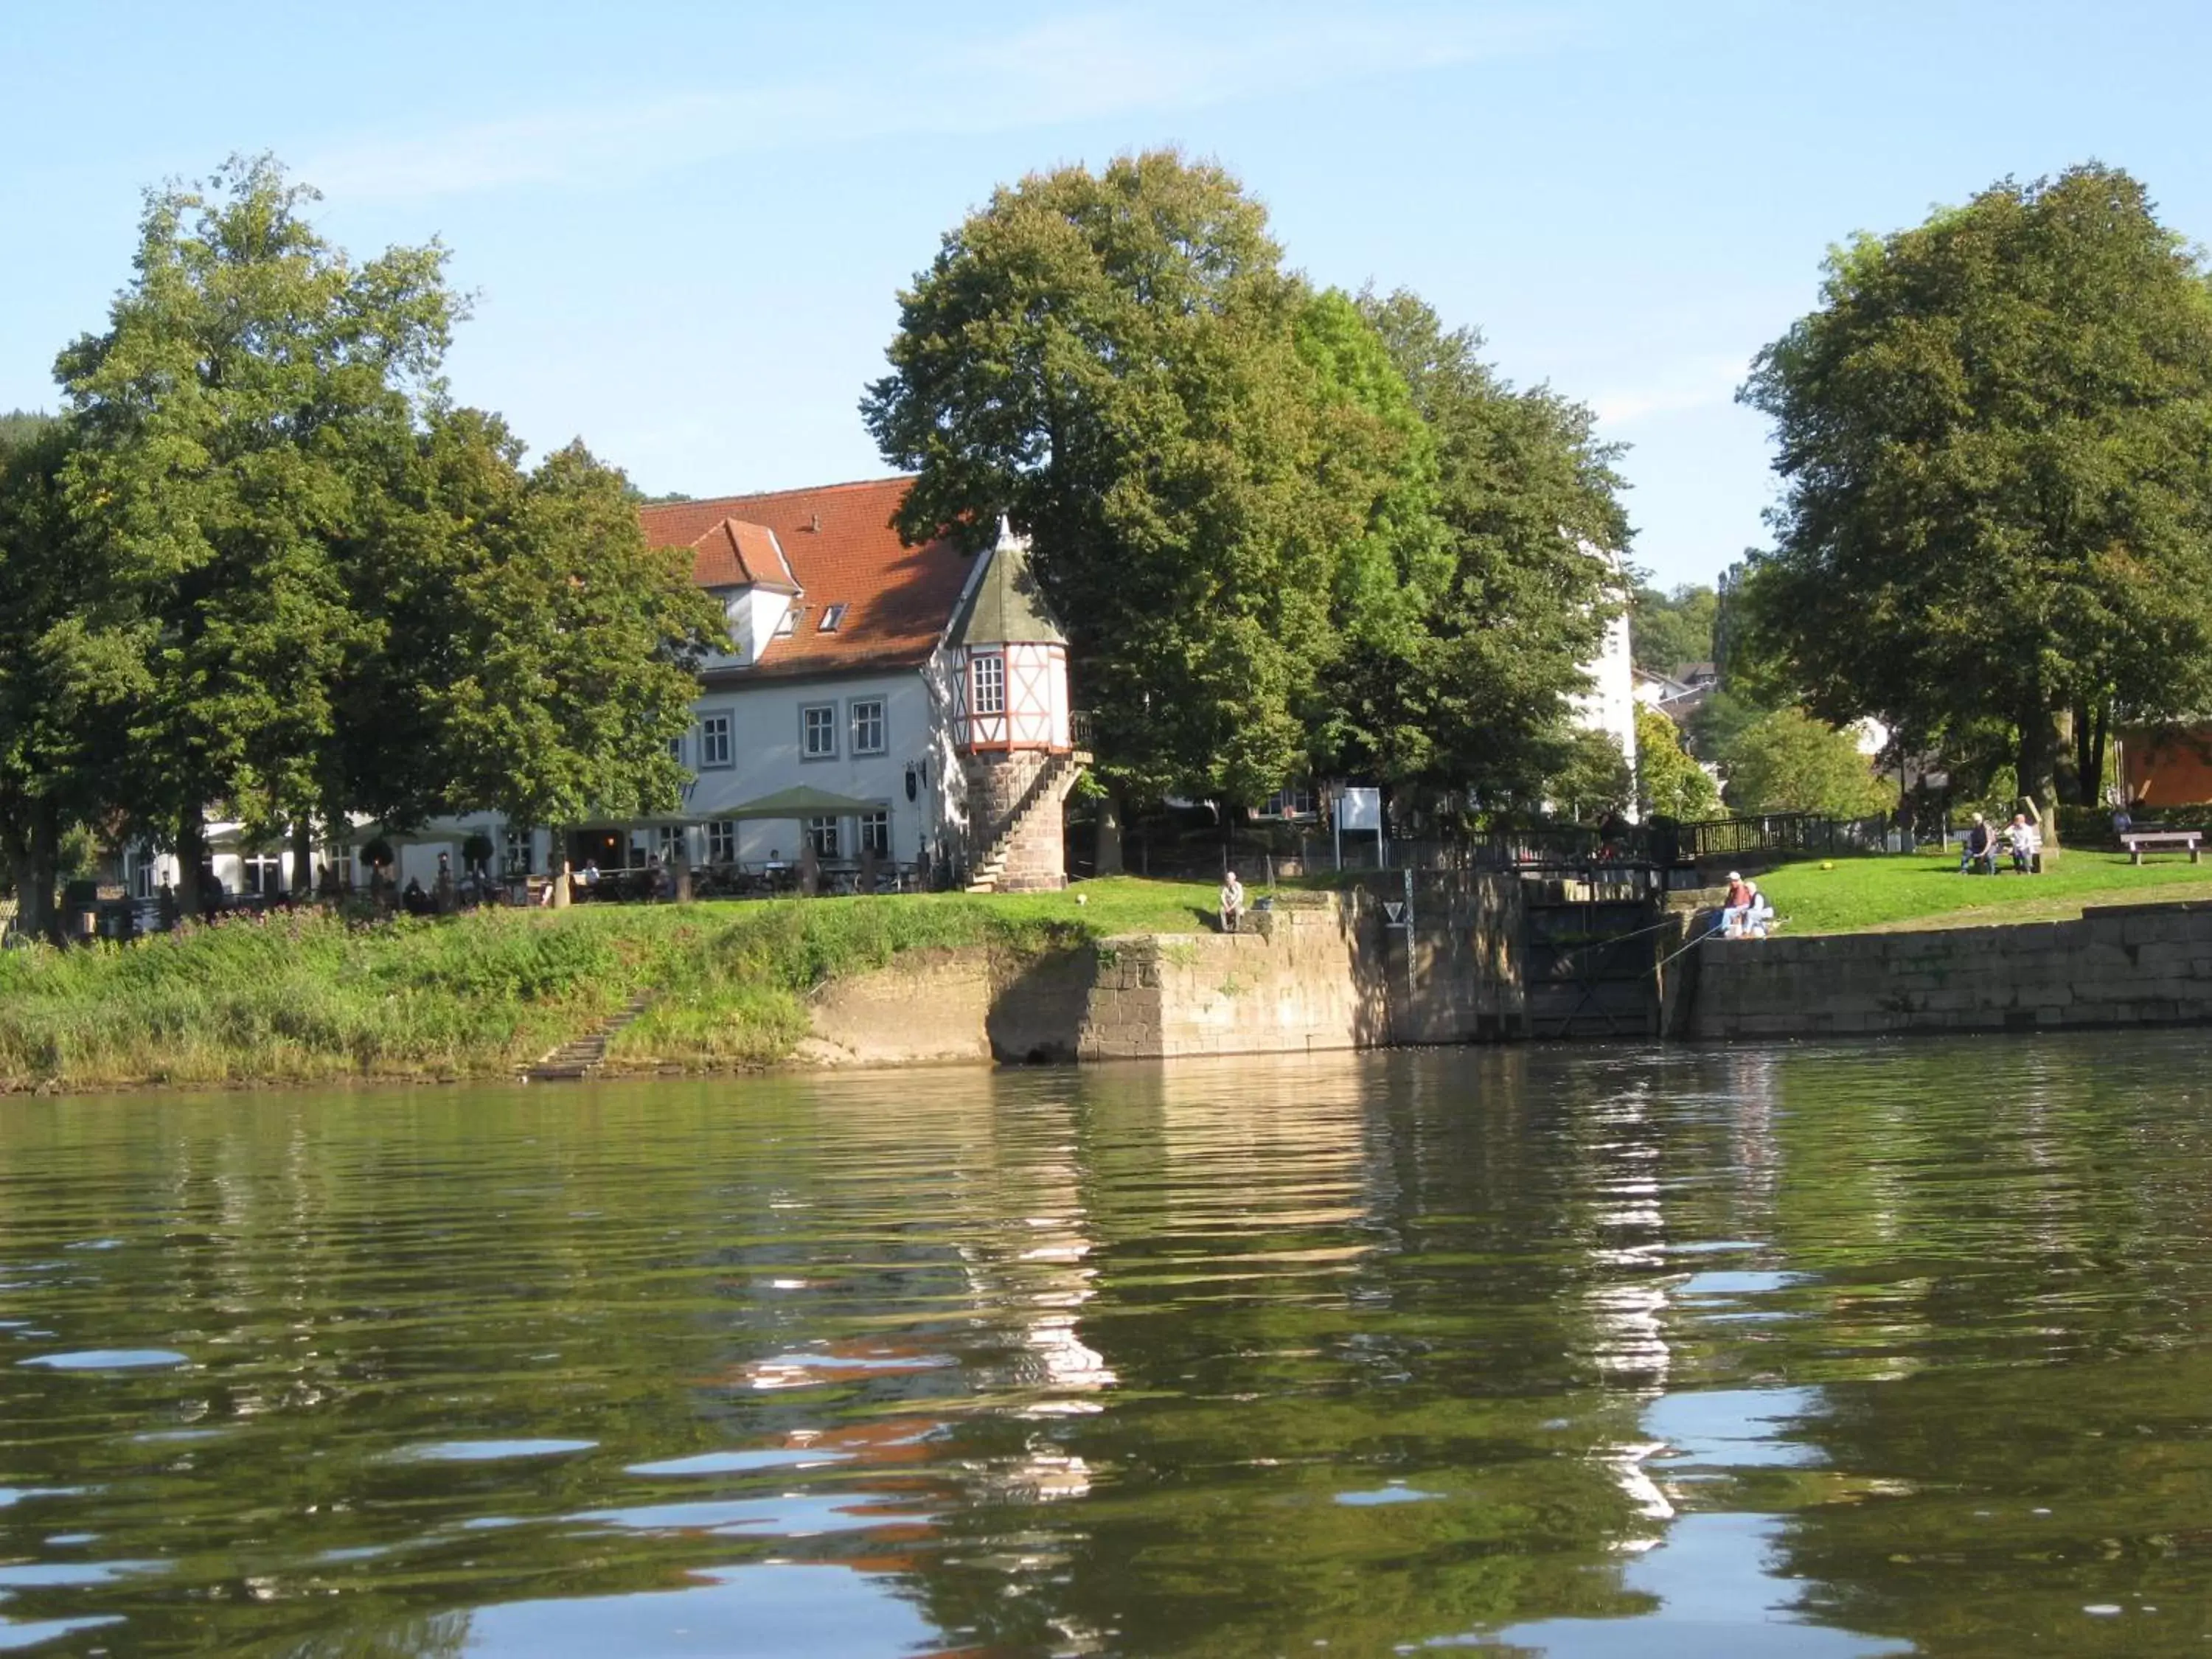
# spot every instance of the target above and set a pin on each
(1808, 1350)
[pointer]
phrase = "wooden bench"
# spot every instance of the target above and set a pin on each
(2139, 840)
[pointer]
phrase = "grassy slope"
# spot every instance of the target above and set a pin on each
(307, 997)
(1925, 890)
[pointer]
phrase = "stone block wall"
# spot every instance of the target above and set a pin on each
(2120, 965)
(997, 783)
(1295, 980)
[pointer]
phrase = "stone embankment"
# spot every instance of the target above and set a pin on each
(2120, 965)
(1436, 962)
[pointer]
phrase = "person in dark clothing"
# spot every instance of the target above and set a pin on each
(1980, 849)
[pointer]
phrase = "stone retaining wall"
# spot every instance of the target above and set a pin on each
(2119, 965)
(1321, 971)
(1296, 979)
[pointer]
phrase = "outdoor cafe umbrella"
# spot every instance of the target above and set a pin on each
(803, 801)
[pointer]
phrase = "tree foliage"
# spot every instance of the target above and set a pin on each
(1996, 435)
(1668, 781)
(1111, 360)
(1529, 502)
(265, 560)
(1286, 531)
(1674, 628)
(1789, 761)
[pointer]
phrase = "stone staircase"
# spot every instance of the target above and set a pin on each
(1053, 781)
(574, 1061)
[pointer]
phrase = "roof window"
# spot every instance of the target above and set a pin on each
(833, 616)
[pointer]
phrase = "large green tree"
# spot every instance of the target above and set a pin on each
(71, 662)
(1112, 359)
(1674, 626)
(1533, 527)
(1375, 710)
(233, 418)
(1789, 761)
(1996, 436)
(575, 644)
(1668, 781)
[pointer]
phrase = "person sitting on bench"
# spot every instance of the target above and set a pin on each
(1980, 848)
(2025, 842)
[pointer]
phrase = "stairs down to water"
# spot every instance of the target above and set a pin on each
(574, 1061)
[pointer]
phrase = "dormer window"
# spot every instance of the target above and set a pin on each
(833, 616)
(788, 623)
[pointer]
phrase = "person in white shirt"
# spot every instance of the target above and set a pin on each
(1232, 902)
(2024, 841)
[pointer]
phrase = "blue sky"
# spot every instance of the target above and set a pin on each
(686, 226)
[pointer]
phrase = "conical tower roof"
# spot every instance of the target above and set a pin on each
(1006, 606)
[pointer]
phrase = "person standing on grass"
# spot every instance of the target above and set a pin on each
(1232, 902)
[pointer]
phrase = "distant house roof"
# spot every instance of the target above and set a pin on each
(832, 545)
(1006, 606)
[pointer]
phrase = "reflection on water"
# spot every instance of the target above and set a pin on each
(1796, 1351)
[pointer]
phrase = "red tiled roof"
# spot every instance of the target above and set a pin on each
(840, 548)
(735, 554)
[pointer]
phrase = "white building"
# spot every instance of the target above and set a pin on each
(1609, 704)
(861, 669)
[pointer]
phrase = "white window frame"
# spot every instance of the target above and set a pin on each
(827, 835)
(722, 841)
(807, 751)
(996, 703)
(873, 832)
(883, 723)
(717, 745)
(519, 853)
(831, 619)
(255, 868)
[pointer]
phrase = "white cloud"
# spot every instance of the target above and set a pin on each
(1089, 66)
(1692, 383)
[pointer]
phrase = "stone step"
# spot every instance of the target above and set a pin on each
(577, 1058)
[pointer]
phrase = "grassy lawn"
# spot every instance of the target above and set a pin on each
(1924, 889)
(309, 997)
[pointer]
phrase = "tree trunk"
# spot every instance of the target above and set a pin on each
(39, 913)
(2100, 737)
(2066, 766)
(191, 861)
(303, 858)
(2037, 774)
(1107, 860)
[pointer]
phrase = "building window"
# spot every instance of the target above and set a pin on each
(715, 740)
(264, 875)
(1293, 802)
(868, 726)
(786, 623)
(823, 832)
(676, 749)
(669, 842)
(833, 618)
(521, 854)
(722, 842)
(875, 833)
(817, 732)
(142, 873)
(989, 673)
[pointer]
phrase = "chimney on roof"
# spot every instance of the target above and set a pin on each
(816, 526)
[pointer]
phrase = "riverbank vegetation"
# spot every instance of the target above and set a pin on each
(307, 996)
(1925, 889)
